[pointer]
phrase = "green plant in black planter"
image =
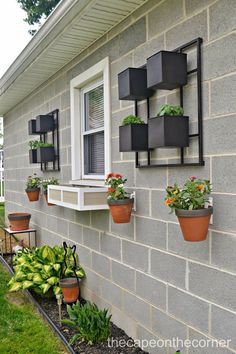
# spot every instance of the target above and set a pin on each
(133, 134)
(33, 187)
(93, 325)
(169, 129)
(41, 151)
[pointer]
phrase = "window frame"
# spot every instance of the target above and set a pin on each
(99, 71)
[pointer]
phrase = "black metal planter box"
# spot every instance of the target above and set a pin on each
(45, 154)
(167, 70)
(44, 123)
(133, 84)
(168, 131)
(32, 127)
(133, 137)
(33, 156)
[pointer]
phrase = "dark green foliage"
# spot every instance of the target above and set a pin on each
(34, 144)
(93, 324)
(131, 119)
(37, 8)
(169, 110)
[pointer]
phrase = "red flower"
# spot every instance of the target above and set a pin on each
(111, 190)
(192, 178)
(117, 175)
(110, 175)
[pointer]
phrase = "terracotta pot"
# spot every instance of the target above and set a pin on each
(194, 223)
(46, 198)
(33, 194)
(121, 210)
(19, 221)
(70, 289)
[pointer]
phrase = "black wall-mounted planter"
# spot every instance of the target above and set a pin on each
(32, 127)
(168, 131)
(45, 154)
(167, 70)
(133, 137)
(44, 123)
(33, 156)
(133, 84)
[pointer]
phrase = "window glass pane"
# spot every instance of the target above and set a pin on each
(94, 108)
(94, 154)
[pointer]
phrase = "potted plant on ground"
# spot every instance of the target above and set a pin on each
(19, 221)
(45, 183)
(33, 187)
(133, 134)
(120, 203)
(169, 129)
(191, 207)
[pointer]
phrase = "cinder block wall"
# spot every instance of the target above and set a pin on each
(156, 285)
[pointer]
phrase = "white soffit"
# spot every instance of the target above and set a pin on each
(72, 27)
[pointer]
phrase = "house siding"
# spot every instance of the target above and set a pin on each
(155, 284)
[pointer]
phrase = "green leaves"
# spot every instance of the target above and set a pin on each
(40, 269)
(169, 110)
(93, 324)
(131, 119)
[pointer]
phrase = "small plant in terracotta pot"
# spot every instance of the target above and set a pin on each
(190, 206)
(120, 203)
(45, 184)
(33, 187)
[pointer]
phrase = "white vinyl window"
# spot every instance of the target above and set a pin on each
(90, 125)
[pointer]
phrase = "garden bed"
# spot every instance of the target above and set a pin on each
(49, 309)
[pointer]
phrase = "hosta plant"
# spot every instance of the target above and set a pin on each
(93, 325)
(40, 268)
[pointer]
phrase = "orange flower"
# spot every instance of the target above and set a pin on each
(111, 190)
(175, 192)
(169, 201)
(117, 175)
(110, 175)
(200, 187)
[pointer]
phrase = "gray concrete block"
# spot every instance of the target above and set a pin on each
(159, 209)
(100, 219)
(184, 32)
(132, 37)
(150, 341)
(82, 217)
(223, 174)
(115, 153)
(123, 275)
(112, 293)
(117, 120)
(91, 238)
(65, 99)
(126, 169)
(85, 256)
(124, 321)
(167, 327)
(222, 18)
(188, 309)
(223, 95)
(119, 66)
(222, 53)
(124, 230)
(191, 250)
(149, 48)
(110, 245)
(196, 5)
(92, 281)
(151, 178)
(137, 309)
(75, 232)
(142, 202)
(115, 103)
(223, 325)
(163, 16)
(65, 137)
(151, 232)
(201, 340)
(168, 268)
(101, 265)
(135, 255)
(223, 251)
(151, 290)
(224, 212)
(213, 285)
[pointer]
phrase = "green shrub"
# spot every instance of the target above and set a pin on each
(93, 324)
(132, 120)
(34, 144)
(169, 110)
(39, 269)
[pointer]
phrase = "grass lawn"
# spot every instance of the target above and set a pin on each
(22, 330)
(2, 214)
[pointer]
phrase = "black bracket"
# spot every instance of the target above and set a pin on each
(199, 134)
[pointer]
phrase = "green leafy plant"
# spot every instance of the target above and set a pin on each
(49, 181)
(169, 110)
(131, 119)
(33, 182)
(93, 325)
(35, 144)
(40, 268)
(115, 183)
(192, 196)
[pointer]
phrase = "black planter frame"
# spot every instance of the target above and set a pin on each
(199, 134)
(53, 135)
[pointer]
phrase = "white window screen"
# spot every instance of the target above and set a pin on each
(93, 132)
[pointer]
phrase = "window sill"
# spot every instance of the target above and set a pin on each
(88, 183)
